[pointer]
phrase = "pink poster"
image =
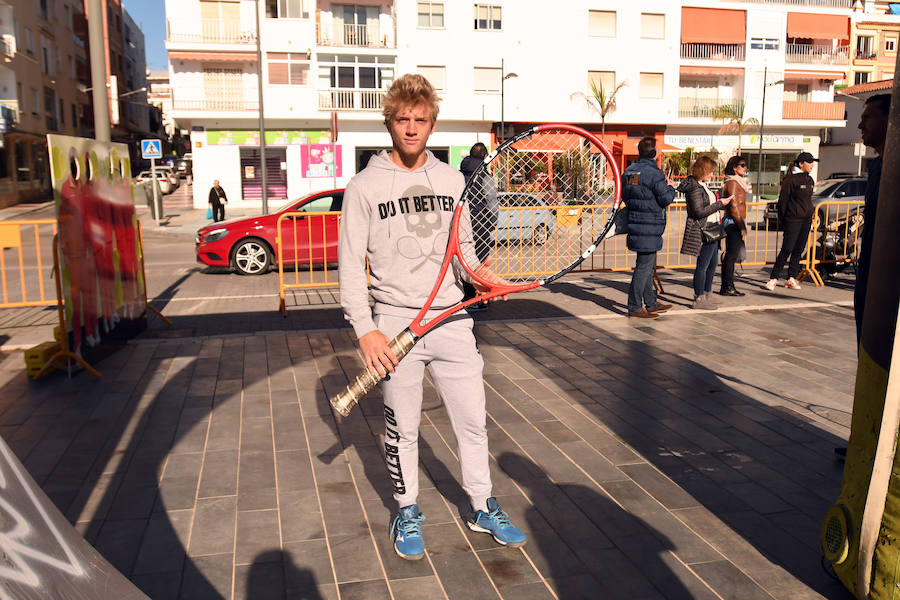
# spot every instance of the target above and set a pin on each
(320, 160)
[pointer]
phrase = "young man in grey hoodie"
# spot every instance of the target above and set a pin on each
(397, 213)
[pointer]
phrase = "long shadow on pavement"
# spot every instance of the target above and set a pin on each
(126, 451)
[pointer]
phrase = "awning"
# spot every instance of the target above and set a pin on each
(713, 26)
(818, 27)
(214, 56)
(629, 147)
(809, 75)
(690, 70)
(553, 142)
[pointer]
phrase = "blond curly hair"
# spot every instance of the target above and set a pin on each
(410, 90)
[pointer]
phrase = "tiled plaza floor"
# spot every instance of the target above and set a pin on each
(689, 457)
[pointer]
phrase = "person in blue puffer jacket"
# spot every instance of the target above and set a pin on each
(646, 193)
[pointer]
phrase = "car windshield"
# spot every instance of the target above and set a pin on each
(824, 188)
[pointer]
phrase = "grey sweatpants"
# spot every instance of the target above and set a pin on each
(455, 365)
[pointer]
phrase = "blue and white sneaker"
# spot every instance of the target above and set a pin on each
(496, 522)
(406, 531)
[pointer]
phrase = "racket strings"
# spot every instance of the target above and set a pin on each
(537, 205)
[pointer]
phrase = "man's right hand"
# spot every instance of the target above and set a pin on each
(380, 359)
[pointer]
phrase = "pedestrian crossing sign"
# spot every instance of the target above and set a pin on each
(151, 149)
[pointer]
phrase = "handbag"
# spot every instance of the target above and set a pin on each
(209, 213)
(711, 231)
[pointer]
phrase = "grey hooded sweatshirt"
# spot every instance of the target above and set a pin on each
(399, 220)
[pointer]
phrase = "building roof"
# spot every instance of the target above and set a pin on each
(872, 86)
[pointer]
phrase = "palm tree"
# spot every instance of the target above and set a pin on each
(733, 115)
(600, 101)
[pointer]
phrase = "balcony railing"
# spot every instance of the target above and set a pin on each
(9, 115)
(813, 110)
(733, 52)
(351, 99)
(215, 100)
(8, 45)
(865, 54)
(702, 108)
(212, 31)
(817, 3)
(358, 36)
(812, 54)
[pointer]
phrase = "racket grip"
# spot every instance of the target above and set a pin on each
(365, 381)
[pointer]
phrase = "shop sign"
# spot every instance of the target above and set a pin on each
(273, 138)
(320, 160)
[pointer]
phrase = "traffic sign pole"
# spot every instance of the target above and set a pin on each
(157, 205)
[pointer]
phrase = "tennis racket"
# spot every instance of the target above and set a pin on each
(535, 209)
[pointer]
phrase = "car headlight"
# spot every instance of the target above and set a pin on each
(215, 235)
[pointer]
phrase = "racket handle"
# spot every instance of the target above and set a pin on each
(365, 381)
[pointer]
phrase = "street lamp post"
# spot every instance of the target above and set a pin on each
(762, 120)
(503, 77)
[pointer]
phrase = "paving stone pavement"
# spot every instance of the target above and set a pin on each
(689, 457)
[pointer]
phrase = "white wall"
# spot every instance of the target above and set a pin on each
(217, 162)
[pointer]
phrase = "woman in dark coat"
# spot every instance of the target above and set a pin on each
(701, 206)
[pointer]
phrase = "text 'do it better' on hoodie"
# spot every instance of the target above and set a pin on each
(400, 220)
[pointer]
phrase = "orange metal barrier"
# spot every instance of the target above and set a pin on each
(307, 243)
(23, 281)
(316, 234)
(834, 239)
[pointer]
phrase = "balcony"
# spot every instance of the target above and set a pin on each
(353, 36)
(8, 46)
(212, 31)
(9, 115)
(215, 99)
(351, 99)
(817, 3)
(699, 108)
(730, 52)
(811, 54)
(814, 111)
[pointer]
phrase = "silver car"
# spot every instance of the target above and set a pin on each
(847, 188)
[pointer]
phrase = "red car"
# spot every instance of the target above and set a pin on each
(249, 245)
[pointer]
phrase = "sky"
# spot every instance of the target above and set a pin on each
(150, 15)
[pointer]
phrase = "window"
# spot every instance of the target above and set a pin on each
(487, 79)
(68, 13)
(35, 102)
(887, 75)
(765, 43)
(861, 77)
(437, 76)
(651, 85)
(44, 12)
(356, 25)
(287, 9)
(351, 71)
(74, 115)
(865, 46)
(605, 79)
(29, 42)
(602, 23)
(890, 44)
(288, 68)
(653, 26)
(487, 16)
(20, 94)
(431, 15)
(62, 112)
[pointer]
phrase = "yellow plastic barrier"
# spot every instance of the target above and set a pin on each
(23, 284)
(834, 239)
(311, 255)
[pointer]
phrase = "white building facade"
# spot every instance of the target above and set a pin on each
(518, 62)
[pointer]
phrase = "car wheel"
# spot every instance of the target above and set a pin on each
(251, 257)
(540, 234)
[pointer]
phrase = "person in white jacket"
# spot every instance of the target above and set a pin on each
(397, 214)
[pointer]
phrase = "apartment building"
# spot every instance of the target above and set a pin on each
(40, 53)
(875, 35)
(493, 62)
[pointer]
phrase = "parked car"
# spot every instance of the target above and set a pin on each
(165, 184)
(184, 167)
(249, 245)
(170, 173)
(849, 188)
(524, 216)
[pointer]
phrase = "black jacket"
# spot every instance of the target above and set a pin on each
(215, 198)
(646, 195)
(698, 209)
(795, 199)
